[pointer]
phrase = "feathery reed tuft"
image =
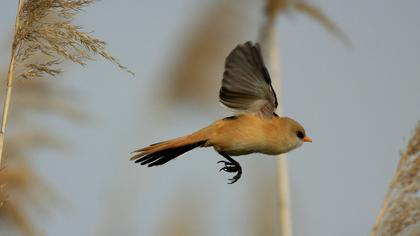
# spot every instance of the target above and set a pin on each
(45, 28)
(401, 208)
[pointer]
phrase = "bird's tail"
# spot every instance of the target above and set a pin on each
(160, 153)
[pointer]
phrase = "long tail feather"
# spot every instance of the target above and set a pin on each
(160, 153)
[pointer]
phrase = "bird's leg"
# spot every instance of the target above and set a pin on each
(231, 166)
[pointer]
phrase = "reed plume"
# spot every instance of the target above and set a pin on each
(400, 212)
(18, 179)
(44, 27)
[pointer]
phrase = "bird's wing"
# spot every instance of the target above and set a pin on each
(246, 85)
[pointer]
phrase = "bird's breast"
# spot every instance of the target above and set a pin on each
(246, 134)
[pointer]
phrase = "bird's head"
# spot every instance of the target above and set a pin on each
(295, 133)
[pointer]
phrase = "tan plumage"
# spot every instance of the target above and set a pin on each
(246, 88)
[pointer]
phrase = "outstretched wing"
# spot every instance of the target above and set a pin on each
(246, 85)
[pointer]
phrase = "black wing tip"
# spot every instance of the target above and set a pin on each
(247, 44)
(251, 44)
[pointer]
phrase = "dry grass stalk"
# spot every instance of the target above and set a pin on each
(270, 50)
(401, 207)
(45, 27)
(10, 79)
(268, 41)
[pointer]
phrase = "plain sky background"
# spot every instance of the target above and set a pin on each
(359, 104)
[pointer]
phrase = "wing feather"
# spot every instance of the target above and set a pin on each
(246, 85)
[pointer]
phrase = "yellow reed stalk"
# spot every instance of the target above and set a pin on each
(11, 76)
(268, 41)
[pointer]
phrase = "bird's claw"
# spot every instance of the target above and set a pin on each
(225, 162)
(229, 166)
(229, 169)
(232, 167)
(235, 178)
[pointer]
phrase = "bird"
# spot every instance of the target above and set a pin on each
(246, 89)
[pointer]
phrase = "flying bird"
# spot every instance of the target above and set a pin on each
(255, 127)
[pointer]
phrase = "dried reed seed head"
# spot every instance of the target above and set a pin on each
(36, 56)
(44, 37)
(45, 27)
(413, 146)
(401, 210)
(408, 172)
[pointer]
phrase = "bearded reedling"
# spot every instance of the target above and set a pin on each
(256, 128)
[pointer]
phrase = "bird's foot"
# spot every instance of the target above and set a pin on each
(232, 167)
(227, 166)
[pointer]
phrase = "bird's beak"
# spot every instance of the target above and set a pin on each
(307, 139)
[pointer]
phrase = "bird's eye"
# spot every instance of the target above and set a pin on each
(300, 134)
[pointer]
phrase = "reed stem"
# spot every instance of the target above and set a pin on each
(268, 40)
(9, 86)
